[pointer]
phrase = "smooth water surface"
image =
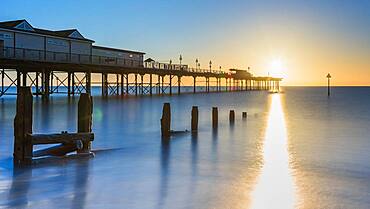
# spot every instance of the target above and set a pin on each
(296, 149)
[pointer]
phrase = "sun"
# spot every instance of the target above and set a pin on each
(276, 68)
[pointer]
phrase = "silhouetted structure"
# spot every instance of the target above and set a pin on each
(328, 77)
(63, 62)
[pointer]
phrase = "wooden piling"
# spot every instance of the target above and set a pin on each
(244, 115)
(166, 120)
(23, 126)
(214, 117)
(85, 109)
(194, 119)
(232, 116)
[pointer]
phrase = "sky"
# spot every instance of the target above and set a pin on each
(299, 40)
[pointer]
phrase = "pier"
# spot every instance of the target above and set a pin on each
(71, 77)
(65, 62)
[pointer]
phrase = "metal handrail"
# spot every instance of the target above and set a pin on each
(63, 57)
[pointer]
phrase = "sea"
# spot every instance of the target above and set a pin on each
(296, 149)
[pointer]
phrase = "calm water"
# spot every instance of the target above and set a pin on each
(297, 149)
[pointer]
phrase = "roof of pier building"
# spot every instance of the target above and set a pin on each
(117, 50)
(24, 26)
(240, 73)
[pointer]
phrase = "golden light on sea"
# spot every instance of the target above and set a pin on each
(275, 186)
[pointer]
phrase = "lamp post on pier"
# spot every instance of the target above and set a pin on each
(180, 59)
(328, 77)
(171, 64)
(196, 63)
(210, 66)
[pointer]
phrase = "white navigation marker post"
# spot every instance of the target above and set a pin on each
(328, 77)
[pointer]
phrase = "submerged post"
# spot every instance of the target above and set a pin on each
(214, 117)
(232, 116)
(244, 115)
(194, 119)
(166, 120)
(23, 126)
(85, 109)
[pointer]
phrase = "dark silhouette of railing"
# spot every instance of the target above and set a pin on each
(73, 58)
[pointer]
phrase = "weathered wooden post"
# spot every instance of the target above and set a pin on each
(214, 117)
(166, 120)
(232, 116)
(244, 115)
(194, 119)
(23, 126)
(85, 109)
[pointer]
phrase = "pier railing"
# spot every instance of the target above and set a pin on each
(73, 58)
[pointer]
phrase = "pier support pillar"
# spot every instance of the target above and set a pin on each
(151, 84)
(73, 83)
(170, 84)
(117, 84)
(127, 85)
(207, 84)
(104, 85)
(122, 84)
(226, 84)
(195, 84)
(69, 84)
(19, 79)
(2, 81)
(142, 84)
(45, 83)
(37, 83)
(51, 83)
(159, 85)
(178, 84)
(135, 84)
(88, 82)
(24, 78)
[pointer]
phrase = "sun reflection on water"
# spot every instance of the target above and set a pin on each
(275, 187)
